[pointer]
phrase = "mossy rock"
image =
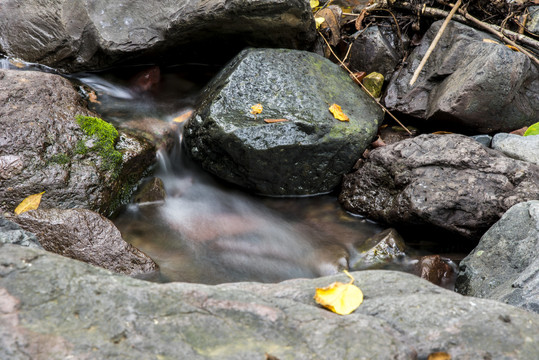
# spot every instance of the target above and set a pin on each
(306, 154)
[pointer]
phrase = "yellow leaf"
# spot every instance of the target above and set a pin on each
(491, 41)
(314, 3)
(30, 203)
(337, 113)
(319, 21)
(256, 109)
(439, 356)
(512, 47)
(339, 297)
(181, 118)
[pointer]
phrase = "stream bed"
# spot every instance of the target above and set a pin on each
(207, 231)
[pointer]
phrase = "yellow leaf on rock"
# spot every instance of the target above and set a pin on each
(256, 109)
(30, 203)
(319, 21)
(439, 356)
(314, 3)
(339, 297)
(337, 113)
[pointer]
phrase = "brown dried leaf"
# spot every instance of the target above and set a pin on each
(359, 20)
(93, 97)
(271, 121)
(332, 15)
(439, 356)
(29, 203)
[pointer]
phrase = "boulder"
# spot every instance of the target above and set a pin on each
(375, 50)
(450, 182)
(504, 266)
(11, 233)
(54, 144)
(90, 35)
(308, 150)
(87, 236)
(53, 307)
(525, 148)
(382, 248)
(467, 83)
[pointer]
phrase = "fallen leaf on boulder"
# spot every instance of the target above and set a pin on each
(339, 297)
(439, 356)
(93, 97)
(30, 203)
(271, 121)
(338, 113)
(256, 109)
(314, 3)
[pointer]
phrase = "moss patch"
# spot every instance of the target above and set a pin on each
(61, 159)
(105, 136)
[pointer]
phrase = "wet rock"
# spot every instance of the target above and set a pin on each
(533, 22)
(382, 248)
(46, 149)
(448, 181)
(151, 191)
(525, 148)
(307, 153)
(462, 80)
(82, 311)
(87, 236)
(439, 271)
(11, 233)
(483, 139)
(90, 35)
(375, 50)
(373, 83)
(157, 132)
(504, 266)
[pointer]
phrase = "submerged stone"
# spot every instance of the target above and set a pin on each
(308, 150)
(380, 249)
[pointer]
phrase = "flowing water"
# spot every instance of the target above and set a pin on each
(207, 231)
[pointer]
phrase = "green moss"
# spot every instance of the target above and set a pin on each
(61, 159)
(105, 136)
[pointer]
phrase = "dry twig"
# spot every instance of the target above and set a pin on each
(363, 87)
(434, 12)
(434, 43)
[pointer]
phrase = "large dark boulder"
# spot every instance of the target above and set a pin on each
(56, 308)
(505, 264)
(85, 35)
(447, 181)
(45, 147)
(308, 153)
(87, 236)
(467, 83)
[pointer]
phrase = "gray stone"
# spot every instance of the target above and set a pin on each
(504, 266)
(87, 236)
(308, 153)
(449, 182)
(375, 50)
(82, 35)
(57, 308)
(525, 148)
(45, 148)
(467, 83)
(533, 22)
(382, 248)
(11, 233)
(483, 139)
